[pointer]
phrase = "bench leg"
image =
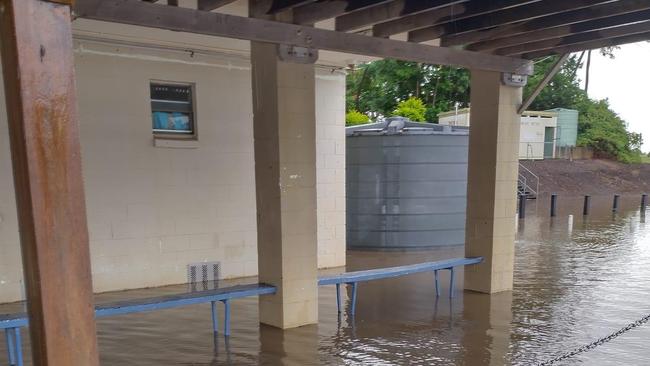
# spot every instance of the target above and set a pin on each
(338, 297)
(451, 282)
(226, 320)
(9, 338)
(215, 317)
(435, 274)
(354, 298)
(18, 347)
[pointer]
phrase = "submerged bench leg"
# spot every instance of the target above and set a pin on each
(354, 298)
(9, 338)
(338, 297)
(435, 274)
(226, 320)
(215, 317)
(451, 282)
(18, 352)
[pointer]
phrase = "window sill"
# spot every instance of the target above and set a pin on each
(175, 144)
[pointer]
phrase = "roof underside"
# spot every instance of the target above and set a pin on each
(521, 29)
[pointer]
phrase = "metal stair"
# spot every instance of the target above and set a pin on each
(527, 183)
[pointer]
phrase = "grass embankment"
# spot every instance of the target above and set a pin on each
(593, 177)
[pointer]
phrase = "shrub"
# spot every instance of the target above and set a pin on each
(355, 118)
(412, 108)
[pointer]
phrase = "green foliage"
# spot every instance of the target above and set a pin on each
(353, 118)
(413, 108)
(603, 130)
(563, 91)
(376, 88)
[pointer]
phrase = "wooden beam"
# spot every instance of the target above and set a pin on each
(38, 69)
(203, 22)
(281, 5)
(561, 31)
(555, 20)
(442, 15)
(316, 12)
(542, 84)
(387, 11)
(507, 16)
(624, 30)
(209, 5)
(590, 45)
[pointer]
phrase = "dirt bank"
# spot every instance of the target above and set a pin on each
(590, 176)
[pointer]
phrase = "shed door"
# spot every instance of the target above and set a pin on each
(549, 135)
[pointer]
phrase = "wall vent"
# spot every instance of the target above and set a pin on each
(203, 276)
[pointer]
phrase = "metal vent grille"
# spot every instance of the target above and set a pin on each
(203, 276)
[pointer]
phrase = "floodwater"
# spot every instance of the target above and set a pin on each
(575, 281)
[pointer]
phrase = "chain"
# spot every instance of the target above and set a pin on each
(596, 343)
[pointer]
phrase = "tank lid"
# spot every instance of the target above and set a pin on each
(404, 126)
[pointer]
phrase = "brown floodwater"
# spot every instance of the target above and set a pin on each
(575, 281)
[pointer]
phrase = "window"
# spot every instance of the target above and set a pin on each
(172, 110)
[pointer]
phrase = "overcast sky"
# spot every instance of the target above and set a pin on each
(625, 81)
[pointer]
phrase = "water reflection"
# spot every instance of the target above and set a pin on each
(574, 282)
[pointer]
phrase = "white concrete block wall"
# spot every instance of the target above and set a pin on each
(330, 174)
(153, 210)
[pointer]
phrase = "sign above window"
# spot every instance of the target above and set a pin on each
(172, 109)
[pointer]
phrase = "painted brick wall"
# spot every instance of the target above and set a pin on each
(153, 210)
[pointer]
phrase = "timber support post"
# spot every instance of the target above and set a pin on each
(38, 69)
(492, 181)
(284, 130)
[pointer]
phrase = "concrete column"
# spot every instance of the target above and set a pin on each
(285, 179)
(491, 182)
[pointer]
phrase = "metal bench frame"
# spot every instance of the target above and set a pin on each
(353, 278)
(12, 323)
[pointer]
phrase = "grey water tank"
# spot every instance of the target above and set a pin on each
(406, 185)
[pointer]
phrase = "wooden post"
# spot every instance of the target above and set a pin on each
(38, 67)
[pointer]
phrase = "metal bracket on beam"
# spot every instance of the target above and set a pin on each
(515, 80)
(297, 54)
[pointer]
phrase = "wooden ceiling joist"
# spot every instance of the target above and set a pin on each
(591, 45)
(180, 19)
(599, 34)
(442, 15)
(504, 17)
(504, 32)
(387, 11)
(209, 5)
(501, 45)
(282, 5)
(316, 12)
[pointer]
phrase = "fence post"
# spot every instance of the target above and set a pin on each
(644, 201)
(615, 203)
(587, 205)
(553, 204)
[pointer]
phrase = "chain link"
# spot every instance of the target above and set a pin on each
(597, 342)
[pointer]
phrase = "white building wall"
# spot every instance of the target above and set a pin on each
(531, 135)
(152, 210)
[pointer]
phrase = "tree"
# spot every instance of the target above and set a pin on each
(376, 88)
(603, 130)
(353, 118)
(412, 108)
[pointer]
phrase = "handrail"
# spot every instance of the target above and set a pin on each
(534, 180)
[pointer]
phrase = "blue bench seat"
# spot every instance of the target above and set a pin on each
(12, 323)
(353, 278)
